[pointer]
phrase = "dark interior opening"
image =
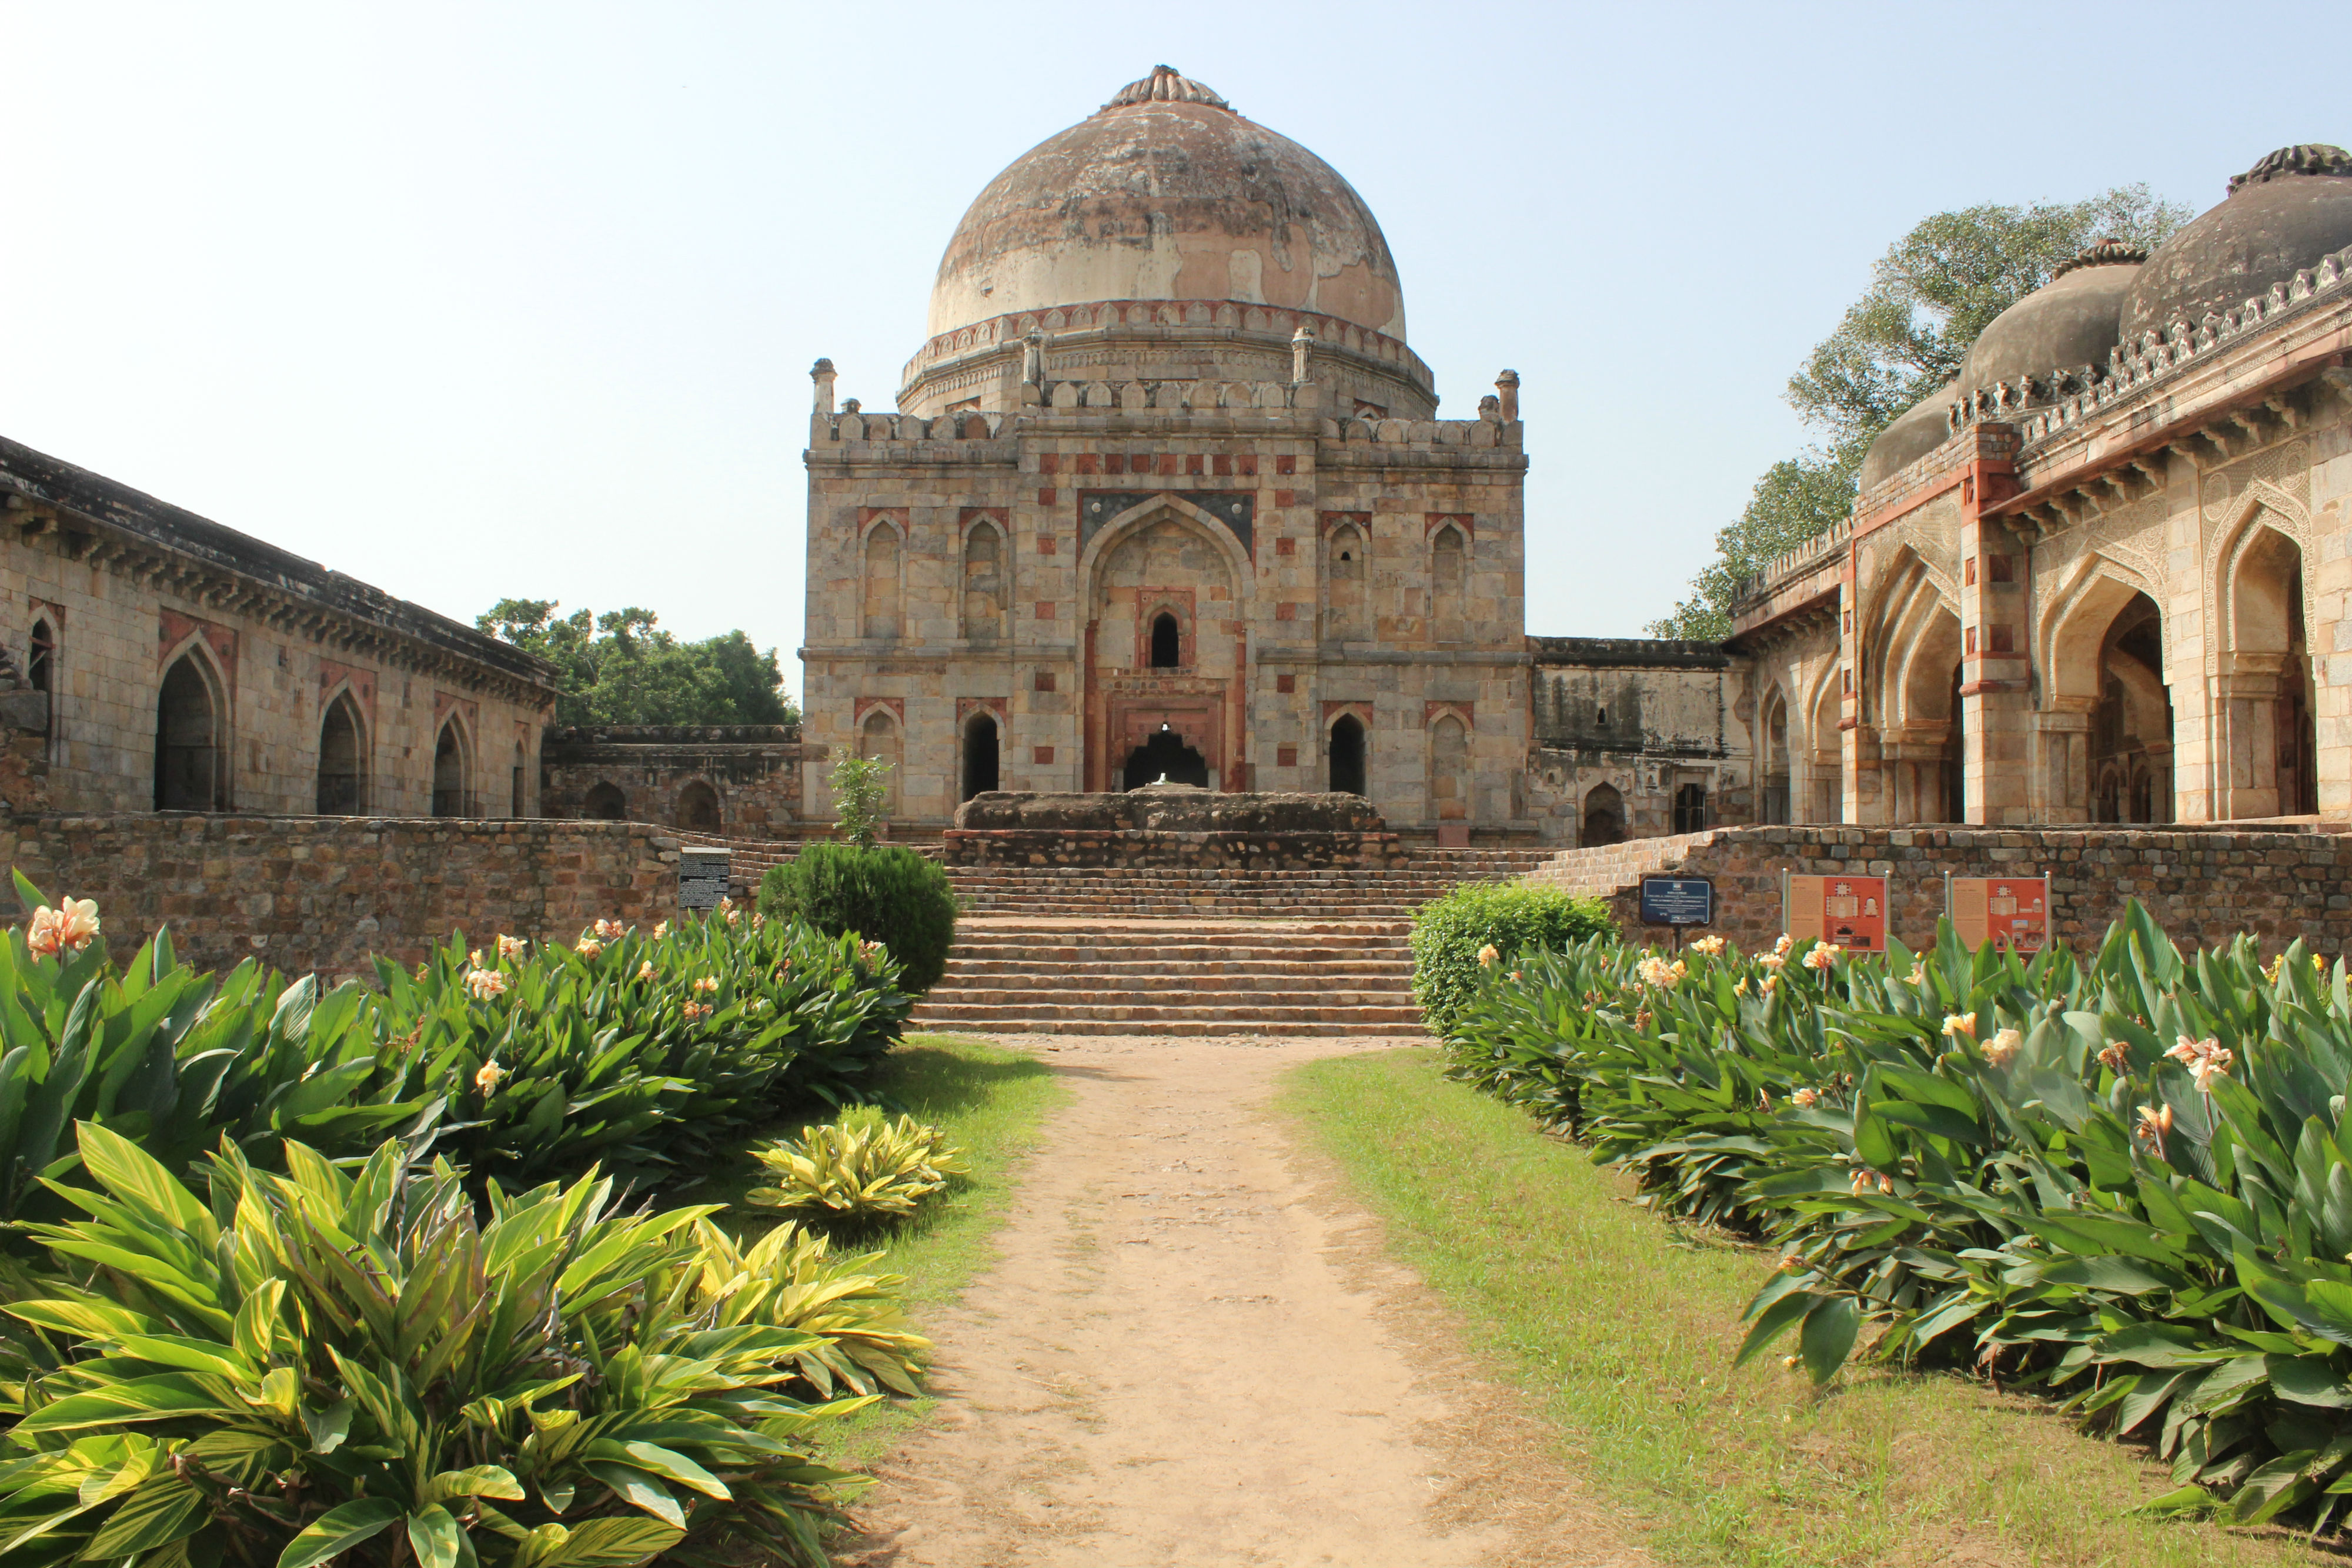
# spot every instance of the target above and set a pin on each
(1348, 756)
(1166, 755)
(606, 803)
(1690, 809)
(1167, 642)
(340, 793)
(979, 756)
(449, 774)
(187, 748)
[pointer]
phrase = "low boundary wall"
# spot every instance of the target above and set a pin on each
(322, 893)
(2203, 886)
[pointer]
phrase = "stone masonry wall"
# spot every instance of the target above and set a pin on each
(322, 893)
(2204, 887)
(1152, 847)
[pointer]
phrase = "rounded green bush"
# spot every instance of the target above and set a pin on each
(1448, 932)
(887, 894)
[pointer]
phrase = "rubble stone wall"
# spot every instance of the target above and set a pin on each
(2204, 887)
(323, 892)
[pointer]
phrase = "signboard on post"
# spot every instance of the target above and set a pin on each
(2013, 911)
(1848, 911)
(702, 877)
(1677, 901)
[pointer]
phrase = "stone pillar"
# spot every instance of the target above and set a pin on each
(1996, 669)
(821, 374)
(1506, 387)
(1033, 369)
(2061, 780)
(1302, 355)
(2246, 740)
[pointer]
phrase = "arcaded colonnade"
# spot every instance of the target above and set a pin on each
(2101, 576)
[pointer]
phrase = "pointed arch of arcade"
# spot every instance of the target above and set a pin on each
(194, 726)
(1911, 646)
(1825, 753)
(2106, 719)
(1777, 739)
(453, 767)
(2264, 745)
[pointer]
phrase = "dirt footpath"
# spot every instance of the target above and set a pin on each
(1192, 1352)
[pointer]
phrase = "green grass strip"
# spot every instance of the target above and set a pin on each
(1621, 1330)
(992, 1102)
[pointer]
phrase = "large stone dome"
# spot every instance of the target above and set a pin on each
(1166, 194)
(2070, 321)
(2280, 216)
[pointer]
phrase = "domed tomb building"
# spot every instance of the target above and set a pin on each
(2102, 576)
(1165, 495)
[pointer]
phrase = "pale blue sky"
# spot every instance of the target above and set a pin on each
(478, 300)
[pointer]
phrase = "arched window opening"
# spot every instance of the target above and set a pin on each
(1348, 755)
(1449, 569)
(343, 761)
(1167, 642)
(979, 761)
(450, 773)
(1690, 809)
(1449, 770)
(881, 600)
(189, 744)
(1166, 759)
(1604, 816)
(41, 668)
(698, 807)
(1346, 588)
(878, 741)
(984, 584)
(607, 802)
(520, 762)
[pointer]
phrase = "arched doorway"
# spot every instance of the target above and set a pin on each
(189, 753)
(1774, 805)
(2131, 729)
(1164, 581)
(698, 807)
(342, 782)
(1166, 757)
(1604, 816)
(607, 802)
(1167, 642)
(450, 772)
(980, 755)
(1348, 755)
(2265, 694)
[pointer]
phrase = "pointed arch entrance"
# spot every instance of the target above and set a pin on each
(1163, 646)
(2263, 702)
(191, 737)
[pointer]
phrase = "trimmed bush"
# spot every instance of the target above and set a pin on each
(887, 894)
(1449, 931)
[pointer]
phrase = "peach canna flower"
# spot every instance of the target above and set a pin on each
(2002, 1048)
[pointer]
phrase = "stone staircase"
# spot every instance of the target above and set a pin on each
(1170, 951)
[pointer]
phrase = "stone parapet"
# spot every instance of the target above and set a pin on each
(2203, 887)
(322, 894)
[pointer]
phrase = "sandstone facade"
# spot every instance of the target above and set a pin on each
(171, 662)
(733, 781)
(2103, 576)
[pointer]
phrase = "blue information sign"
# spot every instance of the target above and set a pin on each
(1677, 901)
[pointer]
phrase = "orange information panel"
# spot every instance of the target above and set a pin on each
(2013, 911)
(1848, 911)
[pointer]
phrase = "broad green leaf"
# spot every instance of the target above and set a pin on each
(1828, 1336)
(339, 1529)
(434, 1536)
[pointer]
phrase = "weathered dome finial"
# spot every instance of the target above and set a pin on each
(1166, 84)
(2107, 251)
(2308, 158)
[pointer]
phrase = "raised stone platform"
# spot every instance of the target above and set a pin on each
(1171, 825)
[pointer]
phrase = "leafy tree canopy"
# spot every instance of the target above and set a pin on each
(1930, 296)
(621, 667)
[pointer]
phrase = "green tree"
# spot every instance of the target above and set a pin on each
(621, 667)
(1930, 296)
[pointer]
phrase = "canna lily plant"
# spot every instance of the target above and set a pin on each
(323, 1365)
(2124, 1181)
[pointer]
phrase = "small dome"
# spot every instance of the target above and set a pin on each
(2281, 215)
(1912, 436)
(2073, 319)
(1166, 194)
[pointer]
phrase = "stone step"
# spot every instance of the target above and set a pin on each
(1145, 971)
(1109, 944)
(1170, 909)
(1173, 1028)
(1242, 1011)
(1281, 992)
(1181, 930)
